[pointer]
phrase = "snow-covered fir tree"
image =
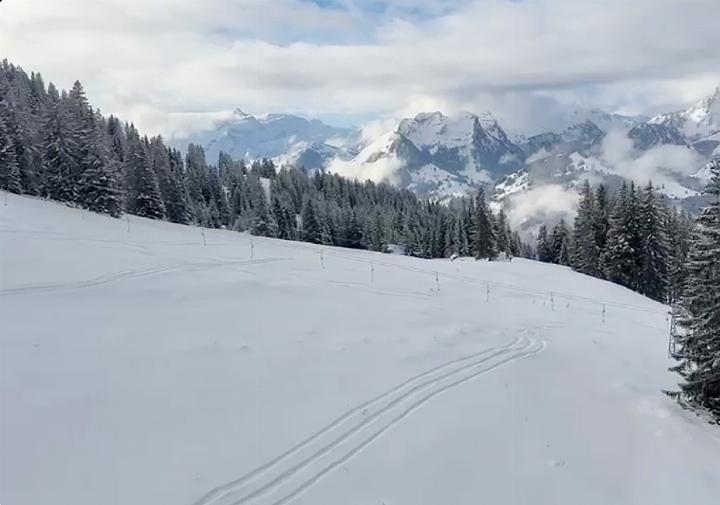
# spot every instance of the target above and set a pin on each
(699, 366)
(654, 253)
(544, 251)
(9, 169)
(484, 244)
(622, 252)
(143, 195)
(560, 248)
(585, 252)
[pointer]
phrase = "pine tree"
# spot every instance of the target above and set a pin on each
(353, 236)
(18, 130)
(560, 244)
(483, 233)
(622, 250)
(585, 258)
(376, 235)
(502, 234)
(95, 182)
(310, 223)
(326, 226)
(168, 166)
(601, 224)
(679, 231)
(9, 169)
(544, 250)
(283, 216)
(98, 186)
(653, 281)
(700, 363)
(58, 152)
(143, 197)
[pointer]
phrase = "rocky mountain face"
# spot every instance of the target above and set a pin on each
(443, 156)
(700, 121)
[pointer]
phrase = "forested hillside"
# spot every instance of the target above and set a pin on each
(54, 144)
(632, 237)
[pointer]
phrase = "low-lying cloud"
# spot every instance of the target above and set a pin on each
(382, 170)
(655, 164)
(543, 204)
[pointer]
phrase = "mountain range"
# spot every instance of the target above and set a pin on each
(442, 156)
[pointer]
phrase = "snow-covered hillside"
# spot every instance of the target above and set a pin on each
(147, 363)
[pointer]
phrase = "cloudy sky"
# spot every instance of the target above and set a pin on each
(166, 64)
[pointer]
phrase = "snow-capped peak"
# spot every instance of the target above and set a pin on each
(429, 129)
(238, 113)
(699, 121)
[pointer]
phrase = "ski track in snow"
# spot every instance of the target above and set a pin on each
(128, 274)
(276, 476)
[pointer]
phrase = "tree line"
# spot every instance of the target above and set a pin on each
(635, 239)
(55, 145)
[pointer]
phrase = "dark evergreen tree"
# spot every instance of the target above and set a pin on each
(622, 251)
(376, 233)
(653, 281)
(601, 225)
(586, 254)
(311, 231)
(167, 165)
(98, 187)
(352, 231)
(502, 234)
(58, 152)
(699, 364)
(95, 182)
(143, 194)
(560, 244)
(679, 231)
(544, 248)
(9, 169)
(484, 245)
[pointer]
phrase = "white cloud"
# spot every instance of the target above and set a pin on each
(651, 165)
(526, 61)
(542, 204)
(381, 170)
(372, 130)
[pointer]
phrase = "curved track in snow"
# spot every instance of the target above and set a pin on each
(281, 480)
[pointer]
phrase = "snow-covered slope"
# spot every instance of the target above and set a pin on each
(290, 138)
(140, 366)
